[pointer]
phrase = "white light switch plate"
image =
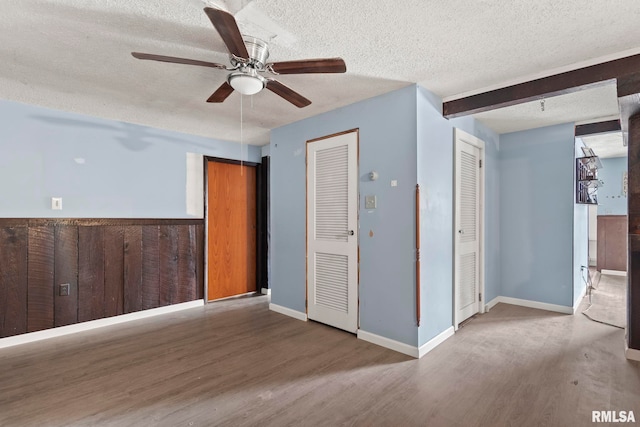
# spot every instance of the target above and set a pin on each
(370, 202)
(394, 183)
(56, 203)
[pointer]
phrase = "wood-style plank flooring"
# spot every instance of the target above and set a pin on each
(235, 363)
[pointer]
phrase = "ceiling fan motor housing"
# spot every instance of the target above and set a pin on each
(258, 53)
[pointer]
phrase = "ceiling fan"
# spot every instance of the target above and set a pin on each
(248, 57)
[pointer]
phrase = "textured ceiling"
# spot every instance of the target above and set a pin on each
(606, 145)
(74, 55)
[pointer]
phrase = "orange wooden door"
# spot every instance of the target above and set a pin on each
(231, 219)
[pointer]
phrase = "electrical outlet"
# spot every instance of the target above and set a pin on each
(64, 289)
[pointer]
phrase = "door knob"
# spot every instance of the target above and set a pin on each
(461, 231)
(351, 233)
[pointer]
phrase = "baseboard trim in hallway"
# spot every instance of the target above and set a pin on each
(530, 304)
(614, 272)
(631, 354)
(94, 324)
(403, 348)
(577, 302)
(394, 345)
(288, 312)
(435, 341)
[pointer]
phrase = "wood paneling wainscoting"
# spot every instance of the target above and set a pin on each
(112, 267)
(612, 242)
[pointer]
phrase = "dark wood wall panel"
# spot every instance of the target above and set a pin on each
(112, 267)
(91, 302)
(13, 280)
(150, 267)
(200, 261)
(612, 242)
(66, 271)
(168, 268)
(132, 268)
(187, 270)
(40, 288)
(113, 270)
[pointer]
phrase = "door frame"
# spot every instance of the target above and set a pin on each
(259, 223)
(306, 222)
(460, 135)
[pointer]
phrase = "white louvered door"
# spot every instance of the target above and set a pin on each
(332, 231)
(467, 228)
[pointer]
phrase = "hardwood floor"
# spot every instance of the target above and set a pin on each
(235, 363)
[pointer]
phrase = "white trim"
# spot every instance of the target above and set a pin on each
(394, 345)
(435, 341)
(533, 304)
(195, 185)
(491, 304)
(95, 324)
(460, 135)
(614, 272)
(577, 302)
(265, 291)
(631, 353)
(288, 312)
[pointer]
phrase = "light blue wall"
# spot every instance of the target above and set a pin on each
(435, 176)
(536, 213)
(580, 240)
(129, 171)
(611, 199)
(387, 126)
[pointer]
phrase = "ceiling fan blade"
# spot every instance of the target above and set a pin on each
(226, 25)
(304, 66)
(174, 60)
(287, 93)
(221, 93)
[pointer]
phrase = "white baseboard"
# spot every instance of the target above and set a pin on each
(435, 341)
(531, 304)
(614, 272)
(394, 345)
(288, 312)
(265, 291)
(631, 354)
(577, 302)
(491, 304)
(94, 324)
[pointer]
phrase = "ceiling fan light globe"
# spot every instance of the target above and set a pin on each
(245, 84)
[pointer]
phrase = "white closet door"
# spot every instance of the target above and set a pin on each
(467, 229)
(332, 231)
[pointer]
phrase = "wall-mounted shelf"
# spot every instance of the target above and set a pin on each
(587, 182)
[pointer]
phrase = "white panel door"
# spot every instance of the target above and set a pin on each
(467, 227)
(332, 231)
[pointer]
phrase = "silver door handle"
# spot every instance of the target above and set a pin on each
(350, 232)
(461, 231)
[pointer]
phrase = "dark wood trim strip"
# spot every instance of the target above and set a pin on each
(628, 85)
(230, 161)
(598, 127)
(633, 291)
(262, 196)
(92, 222)
(418, 253)
(558, 84)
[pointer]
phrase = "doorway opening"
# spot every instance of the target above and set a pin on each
(231, 228)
